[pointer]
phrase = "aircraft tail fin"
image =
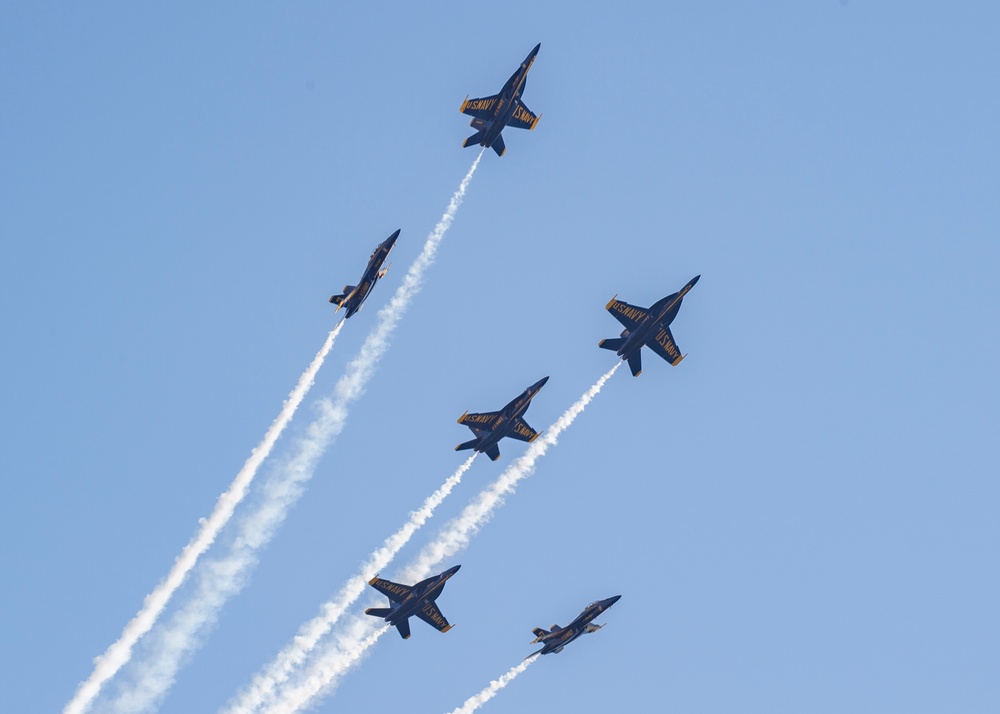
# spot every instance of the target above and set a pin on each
(635, 364)
(493, 452)
(498, 145)
(540, 633)
(339, 299)
(473, 140)
(467, 445)
(614, 344)
(378, 611)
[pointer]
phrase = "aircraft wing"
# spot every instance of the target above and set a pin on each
(523, 118)
(663, 344)
(628, 315)
(430, 614)
(482, 108)
(482, 420)
(521, 431)
(394, 591)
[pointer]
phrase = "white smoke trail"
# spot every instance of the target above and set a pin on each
(120, 652)
(477, 700)
(263, 686)
(323, 675)
(226, 576)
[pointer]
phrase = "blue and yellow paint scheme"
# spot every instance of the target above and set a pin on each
(491, 114)
(646, 328)
(490, 427)
(354, 296)
(406, 601)
(558, 637)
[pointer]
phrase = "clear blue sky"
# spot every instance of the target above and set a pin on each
(800, 517)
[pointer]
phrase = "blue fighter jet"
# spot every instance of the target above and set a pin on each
(354, 296)
(406, 601)
(490, 427)
(646, 327)
(491, 114)
(558, 637)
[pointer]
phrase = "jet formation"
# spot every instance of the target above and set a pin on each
(406, 601)
(490, 427)
(558, 637)
(354, 296)
(646, 327)
(491, 114)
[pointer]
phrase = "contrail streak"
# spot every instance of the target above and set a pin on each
(323, 675)
(120, 652)
(263, 686)
(477, 700)
(224, 577)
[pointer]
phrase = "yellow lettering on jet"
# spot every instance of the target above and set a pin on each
(663, 339)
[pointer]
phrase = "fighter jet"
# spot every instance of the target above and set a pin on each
(406, 601)
(646, 327)
(491, 114)
(490, 427)
(354, 296)
(558, 637)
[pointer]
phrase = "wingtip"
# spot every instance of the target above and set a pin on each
(611, 302)
(535, 123)
(446, 629)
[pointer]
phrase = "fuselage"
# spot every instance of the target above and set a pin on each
(661, 314)
(511, 91)
(560, 637)
(502, 425)
(371, 275)
(423, 592)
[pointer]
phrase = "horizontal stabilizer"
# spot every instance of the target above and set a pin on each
(635, 364)
(614, 344)
(498, 145)
(338, 300)
(467, 445)
(493, 452)
(473, 140)
(378, 611)
(404, 628)
(540, 634)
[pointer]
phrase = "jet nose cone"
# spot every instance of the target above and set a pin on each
(541, 382)
(694, 279)
(537, 47)
(391, 240)
(612, 600)
(452, 571)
